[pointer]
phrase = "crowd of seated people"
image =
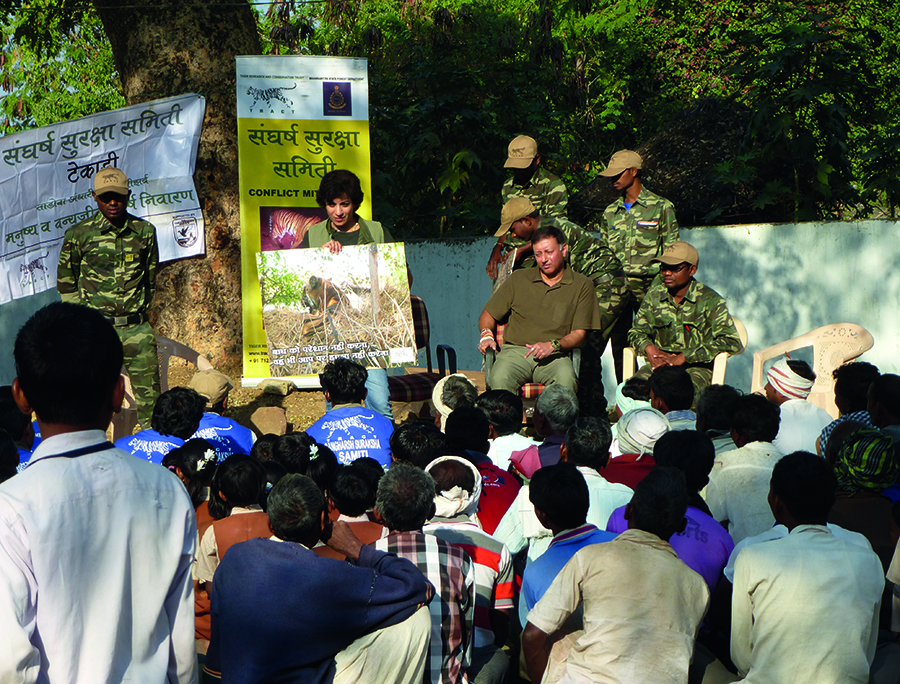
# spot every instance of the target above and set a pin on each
(465, 551)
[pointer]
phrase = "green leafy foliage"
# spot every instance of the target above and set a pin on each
(452, 81)
(280, 285)
(54, 67)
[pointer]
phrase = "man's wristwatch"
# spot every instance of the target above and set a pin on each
(557, 348)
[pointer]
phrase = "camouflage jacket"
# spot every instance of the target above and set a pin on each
(638, 236)
(546, 192)
(700, 327)
(588, 255)
(109, 269)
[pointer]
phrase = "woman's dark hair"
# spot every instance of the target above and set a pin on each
(242, 481)
(197, 461)
(322, 466)
(338, 183)
(262, 447)
(293, 451)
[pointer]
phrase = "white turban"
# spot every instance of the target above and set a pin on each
(627, 404)
(457, 501)
(639, 429)
(437, 397)
(787, 382)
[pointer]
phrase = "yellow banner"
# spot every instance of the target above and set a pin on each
(298, 119)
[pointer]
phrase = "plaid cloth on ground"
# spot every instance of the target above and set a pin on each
(416, 386)
(452, 573)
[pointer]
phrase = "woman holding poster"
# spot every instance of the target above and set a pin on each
(340, 194)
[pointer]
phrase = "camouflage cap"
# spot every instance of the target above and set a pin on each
(212, 385)
(622, 161)
(679, 252)
(521, 151)
(111, 180)
(517, 208)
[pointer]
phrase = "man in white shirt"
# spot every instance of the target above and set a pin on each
(587, 448)
(95, 545)
(739, 481)
(805, 607)
(504, 412)
(789, 383)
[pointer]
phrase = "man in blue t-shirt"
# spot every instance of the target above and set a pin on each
(226, 435)
(351, 430)
(176, 416)
(561, 500)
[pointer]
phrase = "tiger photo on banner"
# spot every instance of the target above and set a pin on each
(318, 306)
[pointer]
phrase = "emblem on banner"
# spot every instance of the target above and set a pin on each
(186, 230)
(28, 270)
(269, 94)
(336, 99)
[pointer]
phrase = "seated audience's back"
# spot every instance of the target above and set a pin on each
(672, 394)
(350, 429)
(739, 482)
(805, 606)
(176, 417)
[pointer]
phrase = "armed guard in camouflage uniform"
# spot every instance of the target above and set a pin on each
(681, 321)
(637, 227)
(109, 262)
(531, 181)
(586, 255)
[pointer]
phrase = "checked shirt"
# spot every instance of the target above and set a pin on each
(452, 573)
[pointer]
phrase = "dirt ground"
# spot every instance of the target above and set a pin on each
(302, 407)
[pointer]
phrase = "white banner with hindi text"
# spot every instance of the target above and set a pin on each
(46, 178)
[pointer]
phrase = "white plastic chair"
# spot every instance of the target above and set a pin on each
(124, 422)
(833, 345)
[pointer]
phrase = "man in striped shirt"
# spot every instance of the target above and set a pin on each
(405, 501)
(459, 486)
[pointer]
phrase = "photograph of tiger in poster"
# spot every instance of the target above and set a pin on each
(318, 306)
(285, 228)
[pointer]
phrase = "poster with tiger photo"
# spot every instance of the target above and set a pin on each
(299, 117)
(318, 306)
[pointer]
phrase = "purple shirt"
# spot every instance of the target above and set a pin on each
(704, 546)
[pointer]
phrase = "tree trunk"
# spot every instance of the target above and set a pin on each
(172, 48)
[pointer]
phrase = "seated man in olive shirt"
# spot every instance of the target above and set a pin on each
(550, 308)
